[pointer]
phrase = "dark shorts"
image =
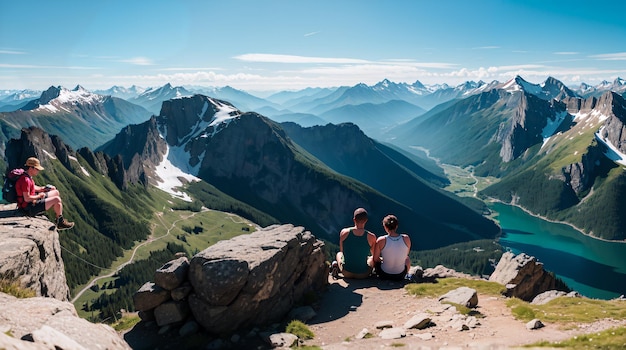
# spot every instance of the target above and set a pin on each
(35, 209)
(389, 276)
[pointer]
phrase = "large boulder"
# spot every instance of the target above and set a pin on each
(30, 253)
(255, 279)
(523, 276)
(34, 323)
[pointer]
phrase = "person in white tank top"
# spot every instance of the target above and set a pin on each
(391, 252)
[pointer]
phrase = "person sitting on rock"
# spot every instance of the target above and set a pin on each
(33, 199)
(354, 259)
(391, 252)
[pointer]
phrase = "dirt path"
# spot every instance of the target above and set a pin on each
(150, 240)
(349, 306)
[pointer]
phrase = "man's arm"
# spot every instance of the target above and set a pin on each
(342, 237)
(371, 239)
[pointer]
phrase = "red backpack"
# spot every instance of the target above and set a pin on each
(8, 189)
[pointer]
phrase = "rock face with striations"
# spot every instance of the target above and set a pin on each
(256, 278)
(523, 276)
(31, 253)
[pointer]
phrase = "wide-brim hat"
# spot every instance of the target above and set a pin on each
(33, 162)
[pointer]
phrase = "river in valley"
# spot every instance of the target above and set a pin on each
(592, 267)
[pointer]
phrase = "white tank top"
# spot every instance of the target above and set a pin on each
(394, 254)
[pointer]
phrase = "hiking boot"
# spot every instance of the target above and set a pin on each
(63, 224)
(334, 270)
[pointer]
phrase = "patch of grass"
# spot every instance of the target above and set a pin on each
(368, 335)
(566, 310)
(126, 322)
(445, 285)
(610, 339)
(9, 333)
(299, 329)
(10, 285)
(397, 345)
(464, 310)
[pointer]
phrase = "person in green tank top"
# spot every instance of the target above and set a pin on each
(356, 244)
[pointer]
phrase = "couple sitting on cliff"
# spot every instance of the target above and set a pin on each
(361, 253)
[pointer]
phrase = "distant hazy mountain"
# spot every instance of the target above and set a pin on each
(12, 100)
(374, 119)
(618, 85)
(122, 92)
(290, 98)
(243, 100)
(152, 98)
(303, 119)
(82, 118)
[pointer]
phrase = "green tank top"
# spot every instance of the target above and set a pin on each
(356, 249)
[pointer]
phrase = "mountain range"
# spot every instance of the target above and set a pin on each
(256, 161)
(555, 153)
(554, 150)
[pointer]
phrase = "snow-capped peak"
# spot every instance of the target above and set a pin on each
(518, 83)
(56, 98)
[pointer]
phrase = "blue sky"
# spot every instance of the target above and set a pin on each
(288, 45)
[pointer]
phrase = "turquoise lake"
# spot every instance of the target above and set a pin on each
(594, 268)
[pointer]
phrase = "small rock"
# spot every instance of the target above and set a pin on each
(419, 321)
(304, 313)
(383, 324)
(392, 333)
(362, 333)
(164, 329)
(282, 339)
(424, 336)
(189, 328)
(235, 338)
(534, 324)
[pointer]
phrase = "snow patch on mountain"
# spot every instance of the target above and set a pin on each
(552, 125)
(613, 153)
(224, 115)
(174, 171)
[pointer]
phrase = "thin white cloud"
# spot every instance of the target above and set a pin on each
(311, 33)
(413, 63)
(618, 56)
(189, 69)
(486, 47)
(272, 58)
(139, 61)
(11, 52)
(566, 53)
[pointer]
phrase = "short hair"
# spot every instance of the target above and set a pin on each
(360, 215)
